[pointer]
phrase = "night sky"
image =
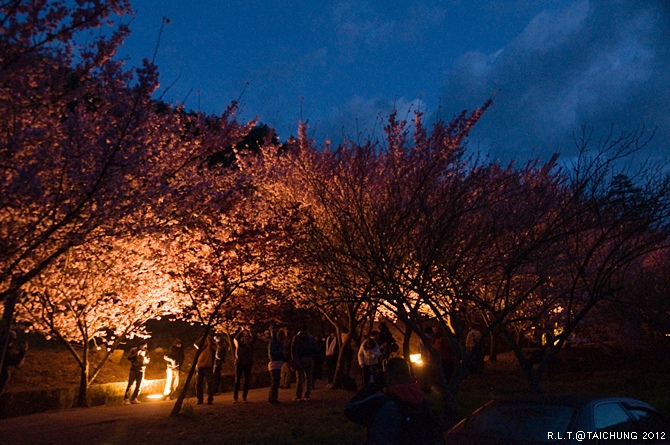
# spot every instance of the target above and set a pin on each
(344, 65)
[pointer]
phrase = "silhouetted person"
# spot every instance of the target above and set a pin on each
(276, 357)
(219, 360)
(303, 350)
(394, 409)
(13, 359)
(244, 361)
(138, 364)
(205, 368)
(174, 359)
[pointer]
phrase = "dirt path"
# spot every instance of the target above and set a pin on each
(320, 420)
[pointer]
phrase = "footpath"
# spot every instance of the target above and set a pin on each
(61, 427)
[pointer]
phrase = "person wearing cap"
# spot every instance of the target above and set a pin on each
(13, 358)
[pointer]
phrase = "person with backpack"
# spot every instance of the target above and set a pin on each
(394, 409)
(303, 350)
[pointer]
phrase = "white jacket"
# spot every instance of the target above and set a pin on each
(369, 356)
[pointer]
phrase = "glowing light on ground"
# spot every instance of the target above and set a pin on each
(416, 359)
(155, 397)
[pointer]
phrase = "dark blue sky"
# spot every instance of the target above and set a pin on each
(344, 65)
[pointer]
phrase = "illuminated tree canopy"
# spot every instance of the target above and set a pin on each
(116, 208)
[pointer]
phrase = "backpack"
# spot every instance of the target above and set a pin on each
(421, 425)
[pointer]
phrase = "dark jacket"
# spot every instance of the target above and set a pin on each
(383, 413)
(138, 359)
(275, 348)
(304, 345)
(244, 349)
(176, 357)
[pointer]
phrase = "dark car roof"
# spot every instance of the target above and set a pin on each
(578, 403)
(574, 400)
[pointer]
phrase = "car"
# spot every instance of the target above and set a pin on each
(562, 419)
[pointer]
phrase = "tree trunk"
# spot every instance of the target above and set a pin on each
(525, 363)
(493, 352)
(339, 366)
(182, 395)
(82, 395)
(7, 319)
(407, 337)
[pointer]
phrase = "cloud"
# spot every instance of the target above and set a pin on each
(363, 118)
(359, 26)
(363, 26)
(587, 63)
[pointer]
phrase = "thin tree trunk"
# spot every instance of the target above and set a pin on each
(82, 396)
(8, 319)
(182, 395)
(493, 351)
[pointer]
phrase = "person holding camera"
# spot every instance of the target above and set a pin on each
(394, 409)
(138, 364)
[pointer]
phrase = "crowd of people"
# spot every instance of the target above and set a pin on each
(294, 360)
(297, 358)
(390, 396)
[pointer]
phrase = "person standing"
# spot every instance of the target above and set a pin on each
(442, 344)
(138, 364)
(14, 357)
(276, 356)
(174, 359)
(286, 371)
(332, 352)
(244, 361)
(386, 342)
(368, 356)
(303, 350)
(205, 368)
(219, 360)
(474, 349)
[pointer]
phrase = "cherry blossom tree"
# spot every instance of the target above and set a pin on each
(227, 245)
(423, 230)
(99, 294)
(78, 133)
(560, 248)
(608, 229)
(294, 177)
(86, 152)
(367, 206)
